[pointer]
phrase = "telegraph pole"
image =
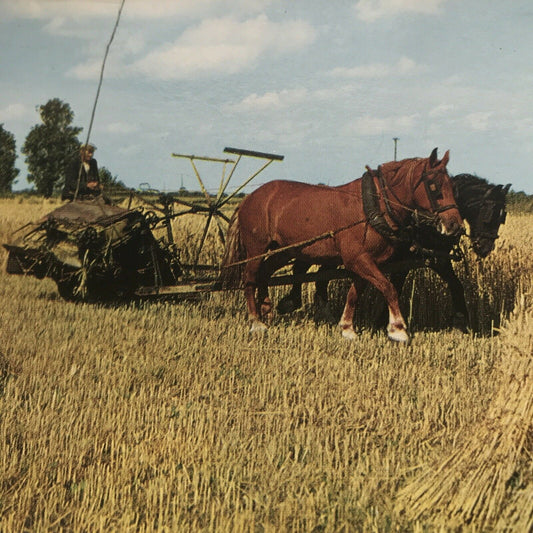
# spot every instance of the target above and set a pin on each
(395, 139)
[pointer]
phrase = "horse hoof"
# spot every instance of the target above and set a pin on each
(349, 334)
(399, 335)
(460, 322)
(258, 327)
(323, 314)
(287, 305)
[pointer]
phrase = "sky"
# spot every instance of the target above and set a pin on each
(327, 84)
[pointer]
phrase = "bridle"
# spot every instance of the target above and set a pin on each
(371, 203)
(434, 190)
(491, 214)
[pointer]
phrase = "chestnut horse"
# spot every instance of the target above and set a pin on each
(480, 203)
(284, 220)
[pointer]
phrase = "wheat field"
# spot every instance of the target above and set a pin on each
(165, 416)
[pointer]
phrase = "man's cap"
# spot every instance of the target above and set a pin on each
(88, 147)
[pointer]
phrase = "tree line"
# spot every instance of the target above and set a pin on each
(48, 148)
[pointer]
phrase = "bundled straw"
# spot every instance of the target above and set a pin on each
(475, 482)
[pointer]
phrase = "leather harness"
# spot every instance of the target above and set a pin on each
(372, 208)
(376, 217)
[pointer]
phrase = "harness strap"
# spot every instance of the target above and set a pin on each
(298, 245)
(384, 188)
(373, 216)
(372, 208)
(433, 193)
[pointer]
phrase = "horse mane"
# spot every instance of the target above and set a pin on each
(393, 167)
(470, 181)
(469, 189)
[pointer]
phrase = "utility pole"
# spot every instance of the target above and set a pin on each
(395, 139)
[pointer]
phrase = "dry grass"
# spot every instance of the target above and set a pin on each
(482, 470)
(170, 417)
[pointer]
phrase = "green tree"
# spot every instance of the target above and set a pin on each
(109, 181)
(8, 156)
(49, 146)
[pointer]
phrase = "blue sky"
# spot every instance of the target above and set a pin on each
(327, 84)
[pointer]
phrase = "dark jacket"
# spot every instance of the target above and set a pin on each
(72, 174)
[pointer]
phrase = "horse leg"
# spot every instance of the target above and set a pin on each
(265, 303)
(251, 275)
(293, 300)
(460, 318)
(321, 287)
(346, 321)
(322, 308)
(398, 280)
(264, 273)
(367, 269)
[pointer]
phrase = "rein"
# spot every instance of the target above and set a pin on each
(373, 216)
(376, 217)
(298, 245)
(433, 191)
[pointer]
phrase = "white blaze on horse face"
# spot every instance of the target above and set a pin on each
(450, 226)
(450, 222)
(443, 229)
(449, 219)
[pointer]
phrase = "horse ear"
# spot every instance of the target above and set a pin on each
(506, 189)
(445, 159)
(433, 158)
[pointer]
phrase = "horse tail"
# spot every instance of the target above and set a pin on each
(231, 275)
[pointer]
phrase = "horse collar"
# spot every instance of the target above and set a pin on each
(372, 208)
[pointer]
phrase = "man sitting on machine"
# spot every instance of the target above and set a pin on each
(81, 176)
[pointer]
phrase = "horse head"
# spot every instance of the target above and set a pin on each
(489, 214)
(433, 193)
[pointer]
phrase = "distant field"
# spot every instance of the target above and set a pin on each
(171, 417)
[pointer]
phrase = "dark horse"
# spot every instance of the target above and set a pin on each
(284, 220)
(480, 203)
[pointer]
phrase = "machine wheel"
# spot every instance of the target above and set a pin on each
(67, 289)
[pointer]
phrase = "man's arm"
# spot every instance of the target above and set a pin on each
(93, 179)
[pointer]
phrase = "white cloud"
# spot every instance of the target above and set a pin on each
(121, 127)
(478, 121)
(15, 112)
(523, 126)
(141, 9)
(269, 101)
(441, 110)
(58, 9)
(134, 9)
(368, 125)
(375, 70)
(404, 66)
(289, 98)
(225, 46)
(131, 45)
(89, 70)
(337, 93)
(372, 10)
